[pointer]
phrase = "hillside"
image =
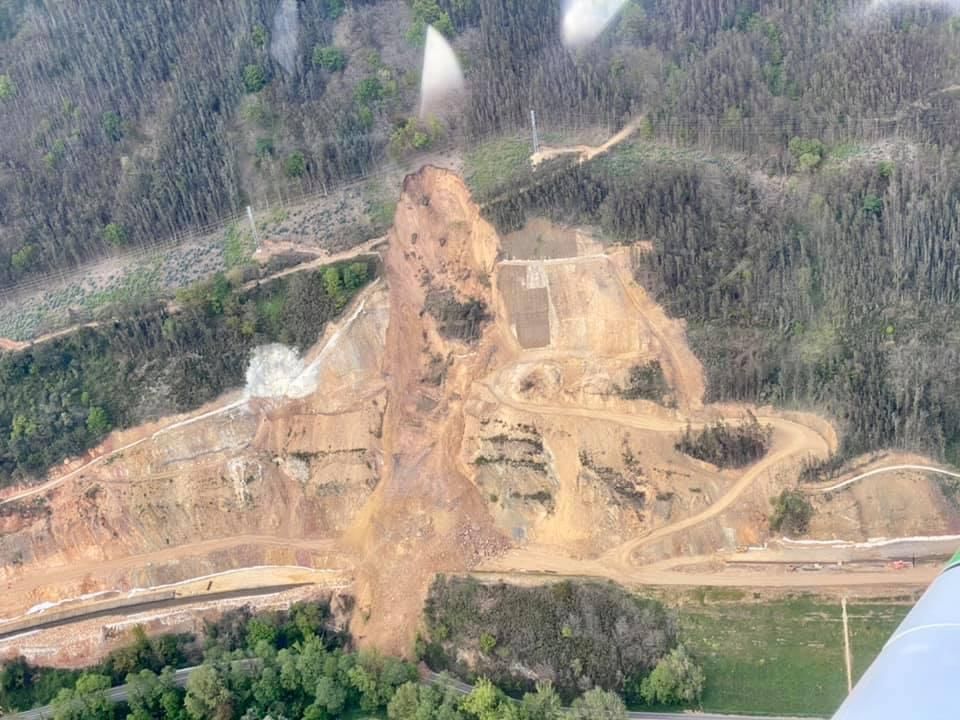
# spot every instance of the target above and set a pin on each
(703, 334)
(167, 116)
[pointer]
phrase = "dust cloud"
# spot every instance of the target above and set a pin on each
(584, 20)
(285, 37)
(879, 5)
(277, 371)
(442, 74)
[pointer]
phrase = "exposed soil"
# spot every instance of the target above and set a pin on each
(414, 450)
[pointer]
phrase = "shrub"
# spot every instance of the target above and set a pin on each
(8, 88)
(726, 446)
(331, 59)
(676, 680)
(457, 320)
(296, 165)
(115, 234)
(791, 513)
(254, 78)
(573, 635)
(646, 382)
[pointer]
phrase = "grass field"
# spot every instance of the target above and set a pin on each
(497, 164)
(782, 656)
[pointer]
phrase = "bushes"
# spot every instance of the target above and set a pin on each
(331, 59)
(647, 382)
(254, 78)
(726, 446)
(457, 320)
(791, 513)
(573, 635)
(676, 680)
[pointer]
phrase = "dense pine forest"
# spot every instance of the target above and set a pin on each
(796, 170)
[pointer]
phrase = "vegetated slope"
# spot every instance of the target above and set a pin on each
(156, 117)
(575, 635)
(62, 397)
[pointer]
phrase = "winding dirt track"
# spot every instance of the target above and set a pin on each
(880, 471)
(269, 249)
(792, 439)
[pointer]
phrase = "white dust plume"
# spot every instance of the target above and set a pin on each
(442, 74)
(877, 5)
(285, 38)
(277, 371)
(584, 20)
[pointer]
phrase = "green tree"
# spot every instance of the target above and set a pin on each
(487, 702)
(544, 704)
(115, 234)
(296, 165)
(809, 153)
(98, 422)
(330, 58)
(598, 704)
(259, 36)
(329, 696)
(264, 147)
(369, 91)
(676, 680)
(57, 152)
(145, 696)
(791, 513)
(332, 282)
(112, 126)
(254, 78)
(429, 12)
(208, 697)
(354, 275)
(20, 260)
(22, 427)
(260, 629)
(8, 89)
(86, 701)
(873, 205)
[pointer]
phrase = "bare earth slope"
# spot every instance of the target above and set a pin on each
(463, 415)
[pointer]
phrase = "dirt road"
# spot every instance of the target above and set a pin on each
(39, 578)
(587, 152)
(267, 251)
(880, 471)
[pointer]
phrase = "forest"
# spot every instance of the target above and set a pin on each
(62, 397)
(295, 664)
(577, 635)
(796, 170)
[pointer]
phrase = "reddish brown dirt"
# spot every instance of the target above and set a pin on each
(420, 454)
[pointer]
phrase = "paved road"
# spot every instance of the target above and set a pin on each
(167, 601)
(121, 693)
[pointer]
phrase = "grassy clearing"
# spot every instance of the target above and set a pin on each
(381, 206)
(496, 165)
(238, 246)
(783, 656)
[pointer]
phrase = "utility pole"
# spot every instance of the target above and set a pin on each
(536, 138)
(253, 227)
